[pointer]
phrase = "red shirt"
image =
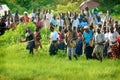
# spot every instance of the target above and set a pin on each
(39, 24)
(25, 18)
(118, 39)
(61, 36)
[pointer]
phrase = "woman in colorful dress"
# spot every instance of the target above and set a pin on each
(113, 48)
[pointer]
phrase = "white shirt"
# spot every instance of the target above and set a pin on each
(106, 36)
(54, 36)
(75, 23)
(49, 16)
(113, 37)
(60, 23)
(99, 38)
(32, 15)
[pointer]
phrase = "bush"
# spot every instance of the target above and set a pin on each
(117, 9)
(69, 7)
(13, 36)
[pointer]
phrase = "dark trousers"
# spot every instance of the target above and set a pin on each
(30, 47)
(105, 49)
(53, 48)
(88, 52)
(79, 48)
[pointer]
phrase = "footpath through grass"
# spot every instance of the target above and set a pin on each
(17, 64)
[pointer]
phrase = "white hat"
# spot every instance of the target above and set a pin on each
(25, 12)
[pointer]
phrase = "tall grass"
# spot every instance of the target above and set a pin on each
(17, 64)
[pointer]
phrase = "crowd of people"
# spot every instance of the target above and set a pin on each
(85, 33)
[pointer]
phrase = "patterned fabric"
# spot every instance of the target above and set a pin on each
(98, 49)
(115, 51)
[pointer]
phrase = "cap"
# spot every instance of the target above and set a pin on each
(86, 27)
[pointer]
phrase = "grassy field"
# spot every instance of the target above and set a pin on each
(17, 64)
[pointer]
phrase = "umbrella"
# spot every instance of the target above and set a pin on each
(90, 4)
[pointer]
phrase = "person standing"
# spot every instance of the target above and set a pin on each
(53, 21)
(106, 45)
(60, 22)
(37, 38)
(10, 16)
(97, 17)
(113, 44)
(88, 36)
(71, 44)
(99, 40)
(79, 45)
(61, 39)
(30, 40)
(39, 23)
(16, 17)
(25, 18)
(88, 14)
(75, 22)
(38, 14)
(49, 15)
(53, 41)
(32, 15)
(107, 16)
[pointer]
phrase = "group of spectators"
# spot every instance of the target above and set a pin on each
(86, 33)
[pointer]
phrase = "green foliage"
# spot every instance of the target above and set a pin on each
(112, 5)
(22, 27)
(69, 7)
(13, 36)
(117, 9)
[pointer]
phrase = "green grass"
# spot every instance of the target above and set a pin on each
(17, 64)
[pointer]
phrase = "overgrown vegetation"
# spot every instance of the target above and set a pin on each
(17, 64)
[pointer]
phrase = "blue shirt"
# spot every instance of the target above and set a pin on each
(82, 24)
(88, 36)
(53, 21)
(95, 18)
